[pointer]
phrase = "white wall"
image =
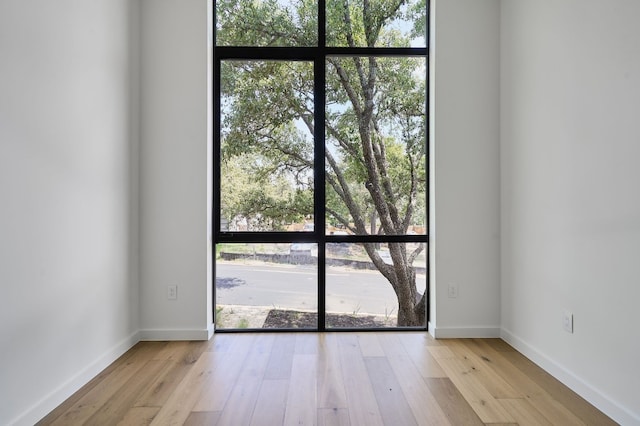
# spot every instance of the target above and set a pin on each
(67, 180)
(174, 158)
(465, 170)
(570, 198)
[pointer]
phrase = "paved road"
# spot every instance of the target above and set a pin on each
(295, 287)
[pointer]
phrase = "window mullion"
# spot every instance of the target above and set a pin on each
(319, 161)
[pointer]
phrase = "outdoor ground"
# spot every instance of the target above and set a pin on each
(295, 319)
(245, 317)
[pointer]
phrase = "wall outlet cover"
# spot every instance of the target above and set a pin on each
(567, 321)
(452, 291)
(172, 292)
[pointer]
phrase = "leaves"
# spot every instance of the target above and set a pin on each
(266, 23)
(375, 114)
(259, 198)
(370, 23)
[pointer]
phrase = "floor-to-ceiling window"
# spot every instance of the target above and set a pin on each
(320, 186)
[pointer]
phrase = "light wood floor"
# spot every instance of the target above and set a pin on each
(325, 379)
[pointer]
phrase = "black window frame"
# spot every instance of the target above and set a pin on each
(317, 55)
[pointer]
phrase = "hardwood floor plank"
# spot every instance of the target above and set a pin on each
(419, 339)
(230, 343)
(499, 345)
(238, 409)
(221, 342)
(473, 390)
(306, 343)
(230, 364)
(586, 412)
(262, 343)
(181, 402)
(302, 392)
(219, 386)
(417, 349)
(424, 406)
(524, 413)
(271, 403)
(254, 365)
(159, 391)
(73, 399)
(369, 345)
(202, 418)
(537, 396)
(98, 396)
(331, 390)
(392, 401)
(491, 380)
(173, 351)
(442, 352)
(453, 404)
(116, 407)
(180, 357)
(333, 378)
(506, 369)
(140, 416)
(281, 359)
(333, 417)
(361, 400)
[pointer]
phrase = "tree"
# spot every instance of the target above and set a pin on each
(375, 120)
(260, 200)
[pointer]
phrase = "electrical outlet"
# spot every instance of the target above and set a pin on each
(453, 291)
(172, 292)
(567, 321)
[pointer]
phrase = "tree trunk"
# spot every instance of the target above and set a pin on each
(411, 308)
(411, 313)
(402, 277)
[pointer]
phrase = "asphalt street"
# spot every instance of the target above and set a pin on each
(295, 287)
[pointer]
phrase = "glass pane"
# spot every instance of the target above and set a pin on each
(376, 23)
(266, 146)
(267, 23)
(359, 293)
(266, 285)
(376, 145)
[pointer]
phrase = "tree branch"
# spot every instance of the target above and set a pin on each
(344, 81)
(341, 219)
(342, 141)
(345, 194)
(415, 253)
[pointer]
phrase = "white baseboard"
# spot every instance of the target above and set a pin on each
(464, 332)
(64, 391)
(176, 334)
(430, 329)
(210, 331)
(611, 408)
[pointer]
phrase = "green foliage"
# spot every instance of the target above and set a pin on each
(365, 24)
(243, 323)
(266, 23)
(375, 116)
(375, 124)
(264, 199)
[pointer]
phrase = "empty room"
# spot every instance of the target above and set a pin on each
(182, 243)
